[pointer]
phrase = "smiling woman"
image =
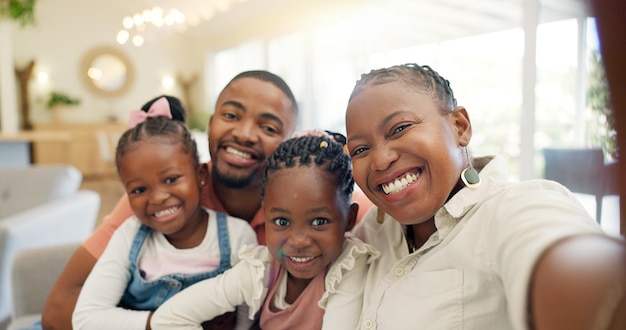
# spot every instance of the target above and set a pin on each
(107, 72)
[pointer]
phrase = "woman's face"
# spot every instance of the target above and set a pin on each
(407, 156)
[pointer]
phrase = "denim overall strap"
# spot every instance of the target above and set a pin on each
(149, 295)
(222, 234)
(135, 248)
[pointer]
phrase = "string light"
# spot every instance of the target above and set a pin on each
(139, 23)
(143, 25)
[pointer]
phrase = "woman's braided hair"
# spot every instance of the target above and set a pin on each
(164, 130)
(321, 151)
(422, 77)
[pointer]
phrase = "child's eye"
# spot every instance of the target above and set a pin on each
(138, 190)
(281, 222)
(319, 221)
(171, 179)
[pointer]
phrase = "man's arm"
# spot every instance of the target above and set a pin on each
(57, 313)
(579, 283)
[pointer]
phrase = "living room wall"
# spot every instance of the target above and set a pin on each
(66, 30)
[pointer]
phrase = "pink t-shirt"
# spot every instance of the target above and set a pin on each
(304, 313)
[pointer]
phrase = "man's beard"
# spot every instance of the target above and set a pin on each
(234, 182)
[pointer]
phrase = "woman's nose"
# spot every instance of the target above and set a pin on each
(382, 158)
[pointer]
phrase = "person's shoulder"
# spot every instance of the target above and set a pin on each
(236, 226)
(234, 221)
(131, 224)
(373, 222)
(535, 190)
(354, 247)
(255, 253)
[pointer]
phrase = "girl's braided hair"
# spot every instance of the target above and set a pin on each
(321, 151)
(422, 77)
(161, 128)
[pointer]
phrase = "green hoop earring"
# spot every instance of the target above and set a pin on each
(470, 178)
(469, 175)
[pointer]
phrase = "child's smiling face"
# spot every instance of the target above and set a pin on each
(306, 217)
(163, 187)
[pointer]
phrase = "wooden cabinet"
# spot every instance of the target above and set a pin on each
(88, 147)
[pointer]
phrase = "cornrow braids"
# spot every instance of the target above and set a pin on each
(161, 128)
(309, 150)
(422, 77)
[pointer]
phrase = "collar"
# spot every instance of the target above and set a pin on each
(492, 171)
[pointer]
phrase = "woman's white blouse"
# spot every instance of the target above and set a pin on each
(473, 273)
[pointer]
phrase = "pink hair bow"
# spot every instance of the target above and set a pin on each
(160, 108)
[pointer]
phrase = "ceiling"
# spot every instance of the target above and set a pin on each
(396, 22)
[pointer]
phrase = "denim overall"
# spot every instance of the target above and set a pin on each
(149, 295)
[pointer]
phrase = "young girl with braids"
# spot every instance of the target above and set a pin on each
(309, 275)
(171, 242)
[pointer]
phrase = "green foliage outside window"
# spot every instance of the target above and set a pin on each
(601, 126)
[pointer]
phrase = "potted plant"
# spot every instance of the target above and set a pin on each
(58, 100)
(22, 11)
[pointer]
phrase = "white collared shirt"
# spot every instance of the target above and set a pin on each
(472, 273)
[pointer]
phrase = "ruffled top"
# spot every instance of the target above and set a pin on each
(248, 283)
(353, 249)
(259, 260)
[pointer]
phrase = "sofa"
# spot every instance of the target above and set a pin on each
(41, 206)
(31, 286)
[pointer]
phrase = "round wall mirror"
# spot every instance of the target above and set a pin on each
(107, 72)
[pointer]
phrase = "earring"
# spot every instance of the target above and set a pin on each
(469, 176)
(202, 183)
(380, 216)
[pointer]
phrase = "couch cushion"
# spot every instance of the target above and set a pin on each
(24, 187)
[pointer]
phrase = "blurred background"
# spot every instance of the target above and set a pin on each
(528, 71)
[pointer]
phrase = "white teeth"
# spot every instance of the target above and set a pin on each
(166, 212)
(399, 184)
(238, 153)
(301, 259)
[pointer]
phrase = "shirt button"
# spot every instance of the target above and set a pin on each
(368, 324)
(173, 284)
(399, 271)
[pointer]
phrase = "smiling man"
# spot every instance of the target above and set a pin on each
(253, 114)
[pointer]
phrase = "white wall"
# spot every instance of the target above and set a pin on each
(66, 30)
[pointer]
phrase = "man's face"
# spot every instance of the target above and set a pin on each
(251, 118)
